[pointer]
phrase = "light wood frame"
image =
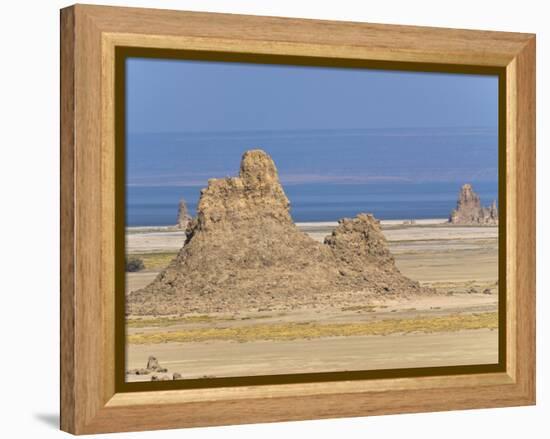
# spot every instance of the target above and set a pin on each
(89, 36)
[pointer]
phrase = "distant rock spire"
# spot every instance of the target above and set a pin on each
(183, 215)
(493, 212)
(469, 210)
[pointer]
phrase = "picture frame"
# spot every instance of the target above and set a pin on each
(91, 37)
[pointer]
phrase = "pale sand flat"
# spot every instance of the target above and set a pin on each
(222, 358)
(135, 281)
(167, 239)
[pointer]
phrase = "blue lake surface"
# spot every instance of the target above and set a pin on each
(397, 173)
(158, 205)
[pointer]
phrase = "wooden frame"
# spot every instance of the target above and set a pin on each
(89, 38)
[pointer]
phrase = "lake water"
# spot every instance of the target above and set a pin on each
(158, 205)
(397, 173)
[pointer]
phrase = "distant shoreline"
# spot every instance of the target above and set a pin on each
(308, 224)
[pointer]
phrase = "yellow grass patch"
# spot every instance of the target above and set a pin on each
(154, 261)
(293, 331)
(366, 308)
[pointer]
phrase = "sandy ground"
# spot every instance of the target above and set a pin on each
(221, 358)
(135, 281)
(436, 306)
(461, 262)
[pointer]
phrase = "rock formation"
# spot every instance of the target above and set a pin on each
(152, 366)
(160, 378)
(183, 215)
(469, 210)
(244, 253)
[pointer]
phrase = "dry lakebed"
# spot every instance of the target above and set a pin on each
(455, 327)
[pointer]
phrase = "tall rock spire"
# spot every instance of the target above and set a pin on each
(244, 253)
(469, 210)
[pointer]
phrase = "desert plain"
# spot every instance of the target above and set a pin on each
(456, 326)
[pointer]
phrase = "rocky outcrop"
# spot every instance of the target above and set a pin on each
(362, 255)
(243, 252)
(360, 243)
(183, 215)
(152, 366)
(160, 378)
(469, 210)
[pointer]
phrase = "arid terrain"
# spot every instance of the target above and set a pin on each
(456, 326)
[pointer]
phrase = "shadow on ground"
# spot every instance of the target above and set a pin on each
(50, 419)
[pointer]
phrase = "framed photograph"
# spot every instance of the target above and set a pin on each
(268, 219)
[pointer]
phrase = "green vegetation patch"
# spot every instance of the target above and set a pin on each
(134, 264)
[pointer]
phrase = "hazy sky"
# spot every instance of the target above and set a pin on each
(178, 96)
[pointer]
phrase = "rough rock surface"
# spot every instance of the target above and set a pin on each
(469, 210)
(152, 366)
(183, 215)
(152, 363)
(244, 253)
